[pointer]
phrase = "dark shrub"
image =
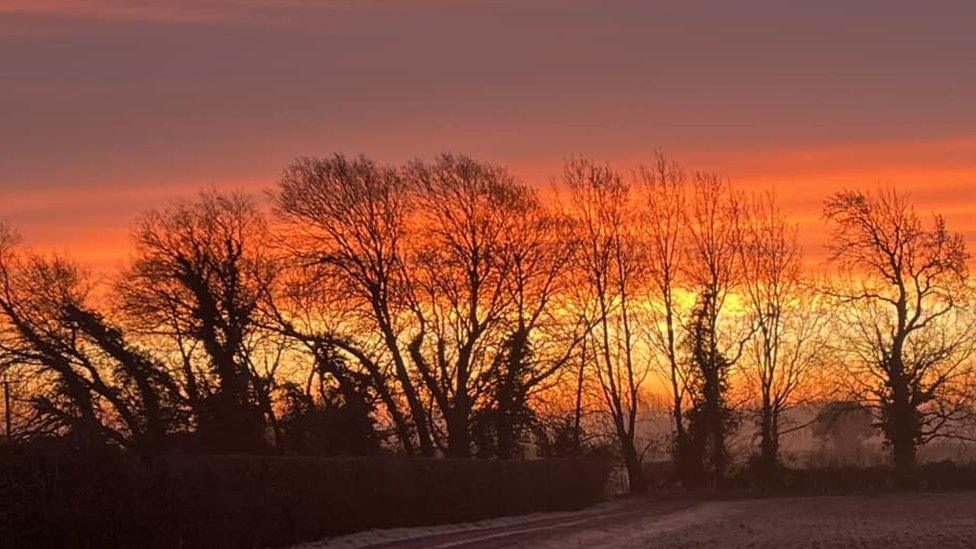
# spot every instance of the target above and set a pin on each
(849, 479)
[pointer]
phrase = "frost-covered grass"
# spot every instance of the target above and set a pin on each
(387, 535)
(889, 521)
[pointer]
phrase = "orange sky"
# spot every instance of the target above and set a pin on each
(110, 108)
(91, 223)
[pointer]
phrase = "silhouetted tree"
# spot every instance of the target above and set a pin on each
(442, 307)
(715, 344)
(788, 343)
(452, 267)
(711, 418)
(543, 334)
(664, 230)
(200, 271)
(909, 330)
(347, 229)
(498, 425)
(304, 312)
(610, 266)
(459, 273)
(508, 414)
(102, 387)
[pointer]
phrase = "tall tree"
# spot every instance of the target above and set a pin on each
(460, 269)
(611, 268)
(542, 335)
(706, 456)
(347, 228)
(713, 270)
(909, 325)
(787, 345)
(664, 231)
(200, 271)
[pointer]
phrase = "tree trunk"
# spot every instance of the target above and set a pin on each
(511, 400)
(635, 471)
(688, 456)
(902, 432)
(578, 408)
(416, 409)
(715, 434)
(768, 446)
(719, 459)
(402, 429)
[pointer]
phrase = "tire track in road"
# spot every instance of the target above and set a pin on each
(525, 532)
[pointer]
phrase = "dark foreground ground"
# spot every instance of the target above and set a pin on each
(891, 521)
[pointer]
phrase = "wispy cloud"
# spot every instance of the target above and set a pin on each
(182, 12)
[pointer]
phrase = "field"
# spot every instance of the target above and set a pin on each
(890, 521)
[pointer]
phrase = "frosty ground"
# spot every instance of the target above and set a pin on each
(890, 521)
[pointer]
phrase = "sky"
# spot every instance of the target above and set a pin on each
(110, 108)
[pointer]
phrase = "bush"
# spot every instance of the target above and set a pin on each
(105, 499)
(934, 476)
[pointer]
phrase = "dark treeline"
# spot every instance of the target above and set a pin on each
(444, 308)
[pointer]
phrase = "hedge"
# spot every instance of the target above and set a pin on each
(932, 476)
(254, 501)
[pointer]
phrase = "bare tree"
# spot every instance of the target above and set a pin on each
(663, 225)
(347, 226)
(454, 264)
(542, 335)
(909, 326)
(460, 270)
(611, 269)
(787, 344)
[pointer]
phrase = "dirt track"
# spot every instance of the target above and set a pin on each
(887, 521)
